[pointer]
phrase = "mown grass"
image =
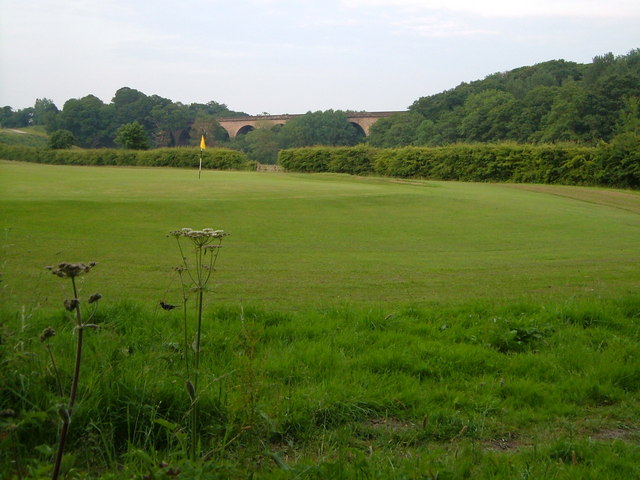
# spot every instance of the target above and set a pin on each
(300, 240)
(363, 328)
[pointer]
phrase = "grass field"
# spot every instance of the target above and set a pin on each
(300, 240)
(26, 136)
(362, 328)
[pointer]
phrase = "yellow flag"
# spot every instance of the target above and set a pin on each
(202, 144)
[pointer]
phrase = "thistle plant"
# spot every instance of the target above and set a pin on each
(195, 273)
(72, 305)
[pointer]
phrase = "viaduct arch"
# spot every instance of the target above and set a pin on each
(240, 125)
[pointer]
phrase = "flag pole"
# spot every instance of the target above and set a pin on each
(203, 145)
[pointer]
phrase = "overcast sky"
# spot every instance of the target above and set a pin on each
(292, 56)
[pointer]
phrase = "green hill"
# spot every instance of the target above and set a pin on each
(548, 102)
(25, 136)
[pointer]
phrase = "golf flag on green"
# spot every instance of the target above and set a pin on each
(203, 145)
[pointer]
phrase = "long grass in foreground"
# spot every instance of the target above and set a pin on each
(478, 390)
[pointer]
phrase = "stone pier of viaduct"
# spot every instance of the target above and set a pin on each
(241, 125)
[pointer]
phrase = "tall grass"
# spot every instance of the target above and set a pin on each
(476, 389)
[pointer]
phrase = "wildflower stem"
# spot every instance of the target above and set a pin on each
(198, 336)
(74, 388)
(55, 370)
(184, 321)
(194, 412)
(76, 371)
(199, 274)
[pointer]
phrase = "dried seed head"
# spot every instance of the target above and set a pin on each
(46, 334)
(95, 297)
(71, 304)
(71, 270)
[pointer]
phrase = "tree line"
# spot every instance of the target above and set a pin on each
(551, 102)
(95, 124)
(555, 101)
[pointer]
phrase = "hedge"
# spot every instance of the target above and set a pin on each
(214, 158)
(616, 164)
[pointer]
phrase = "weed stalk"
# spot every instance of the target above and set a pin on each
(206, 244)
(71, 270)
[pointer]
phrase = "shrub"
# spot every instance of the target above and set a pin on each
(615, 165)
(215, 158)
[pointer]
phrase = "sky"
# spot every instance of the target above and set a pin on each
(292, 56)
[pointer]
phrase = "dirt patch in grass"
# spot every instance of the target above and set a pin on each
(508, 442)
(614, 434)
(392, 424)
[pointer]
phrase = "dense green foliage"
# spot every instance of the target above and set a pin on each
(216, 158)
(616, 164)
(94, 124)
(330, 128)
(60, 139)
(132, 136)
(355, 160)
(554, 101)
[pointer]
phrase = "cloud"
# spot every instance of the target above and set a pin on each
(512, 8)
(439, 27)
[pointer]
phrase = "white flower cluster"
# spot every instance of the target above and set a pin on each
(204, 233)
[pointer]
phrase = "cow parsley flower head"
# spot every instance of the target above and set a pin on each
(71, 270)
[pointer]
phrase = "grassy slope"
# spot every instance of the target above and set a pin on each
(305, 240)
(27, 136)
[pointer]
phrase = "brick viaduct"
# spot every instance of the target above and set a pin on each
(240, 125)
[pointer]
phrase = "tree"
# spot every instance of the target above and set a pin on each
(44, 113)
(131, 105)
(207, 125)
(172, 124)
(532, 108)
(88, 118)
(487, 116)
(320, 128)
(397, 130)
(61, 139)
(6, 117)
(132, 136)
(567, 119)
(261, 145)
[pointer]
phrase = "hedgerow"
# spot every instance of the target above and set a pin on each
(615, 164)
(215, 158)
